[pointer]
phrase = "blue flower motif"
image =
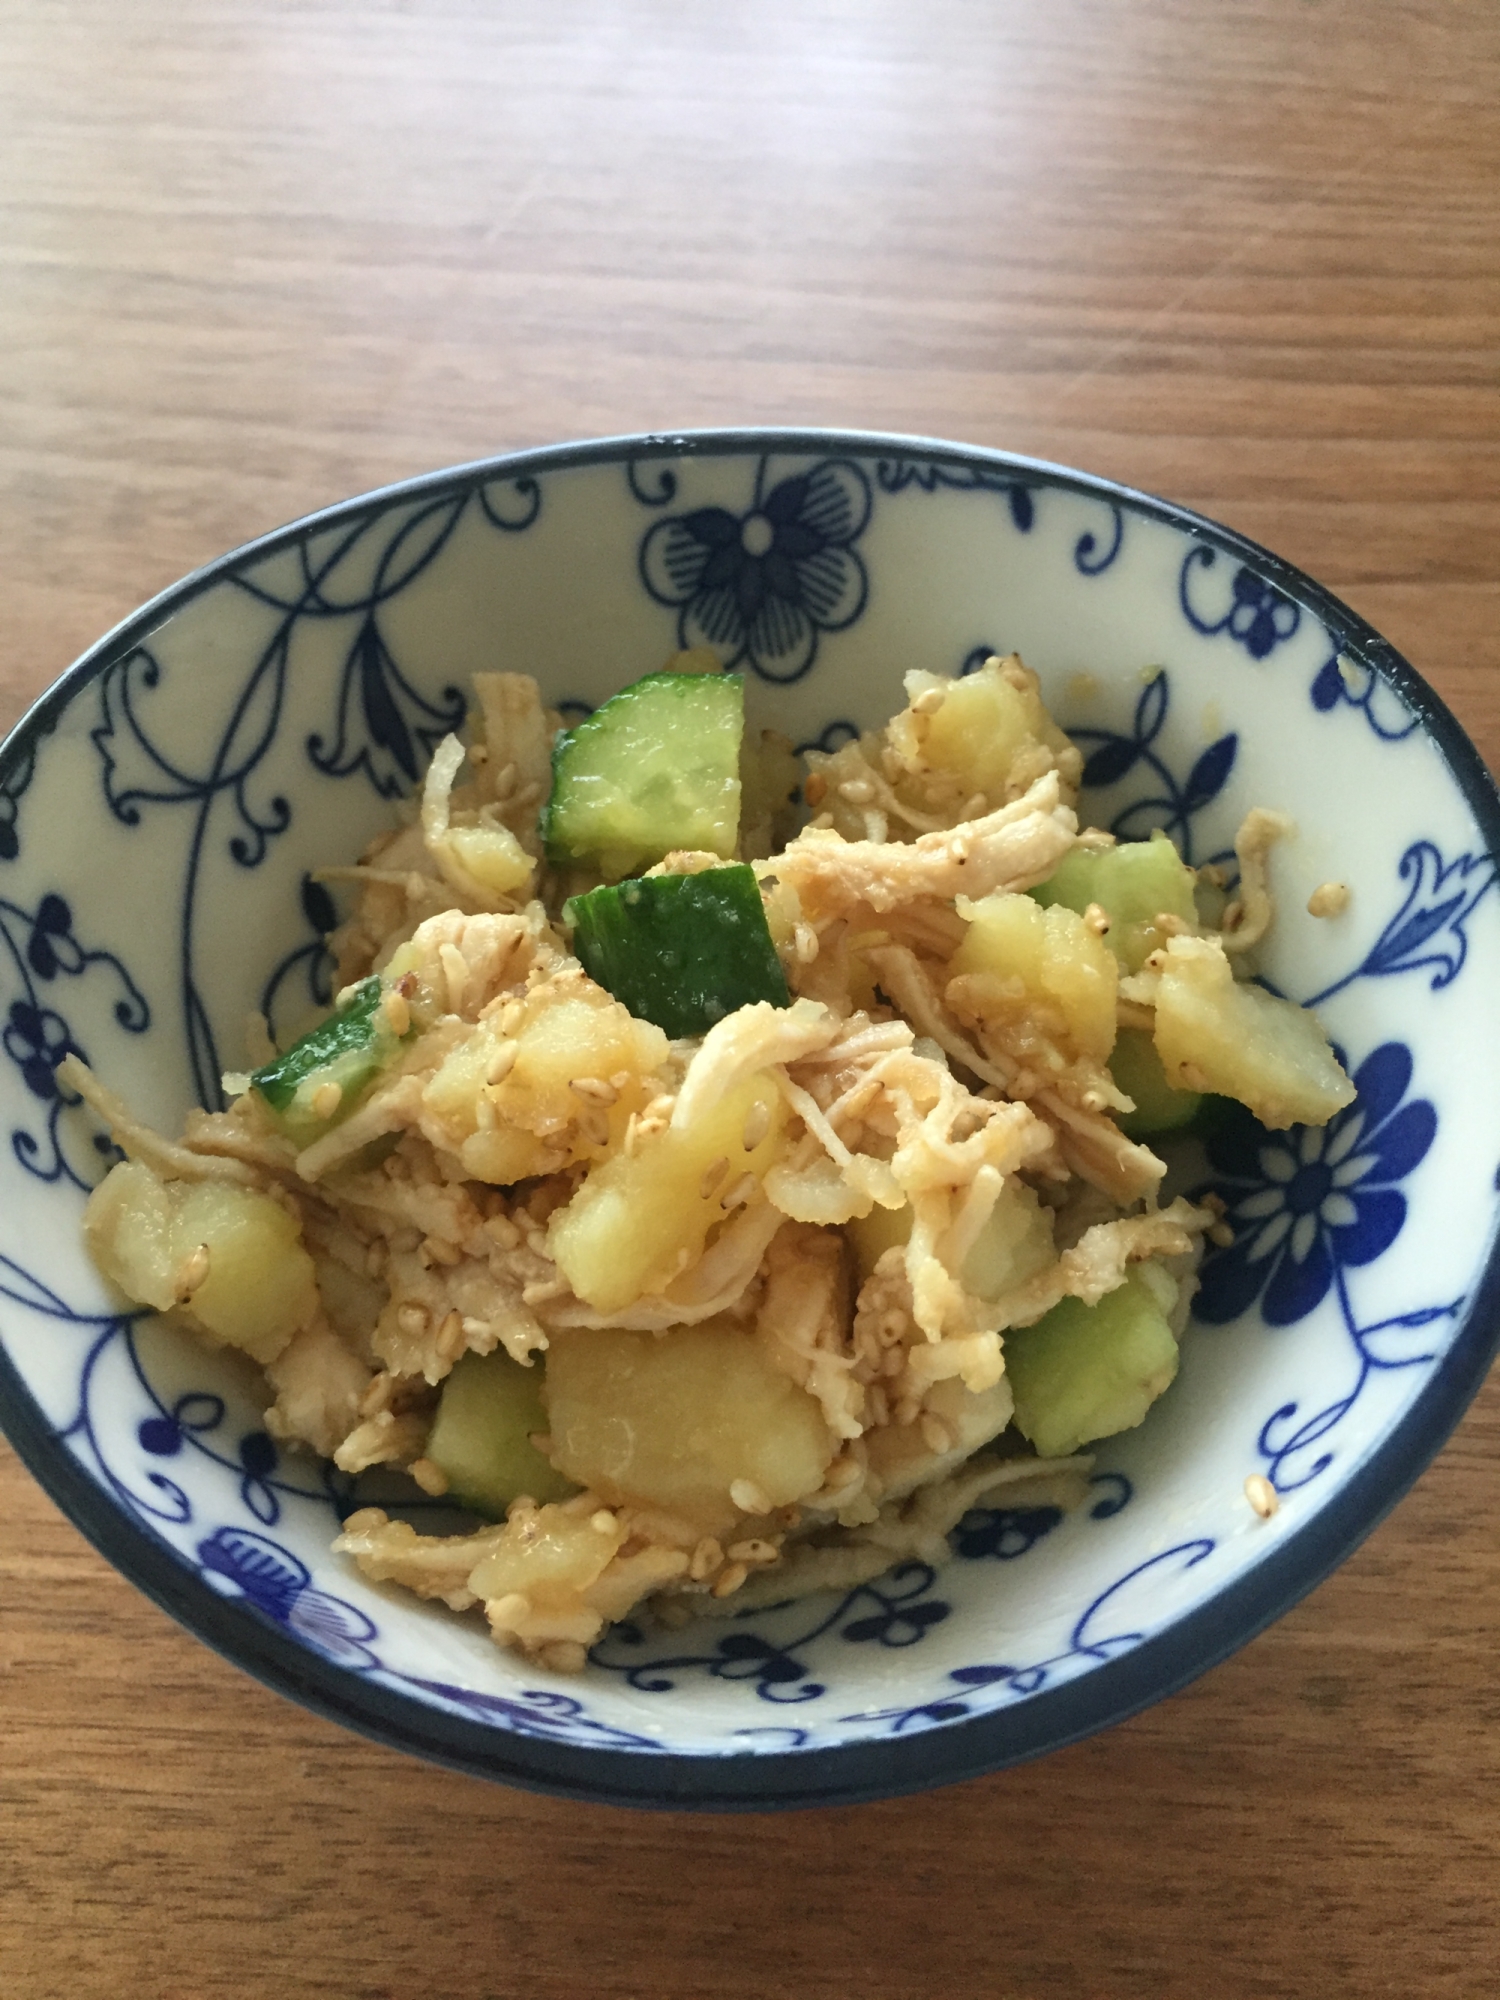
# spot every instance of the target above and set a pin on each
(1307, 1202)
(761, 587)
(1259, 616)
(239, 1563)
(36, 1040)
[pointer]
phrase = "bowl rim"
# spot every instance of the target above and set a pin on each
(852, 1773)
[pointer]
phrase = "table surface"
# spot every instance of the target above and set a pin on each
(259, 256)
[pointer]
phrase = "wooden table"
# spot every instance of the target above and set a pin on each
(259, 256)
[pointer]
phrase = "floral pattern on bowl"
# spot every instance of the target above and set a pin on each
(258, 720)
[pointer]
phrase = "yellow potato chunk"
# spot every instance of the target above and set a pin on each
(1018, 959)
(994, 735)
(1013, 1245)
(492, 855)
(642, 1218)
(233, 1258)
(1215, 1033)
(697, 1421)
(531, 1120)
(550, 1554)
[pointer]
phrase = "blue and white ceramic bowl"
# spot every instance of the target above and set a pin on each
(160, 810)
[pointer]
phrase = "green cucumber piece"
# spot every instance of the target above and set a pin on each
(1136, 1068)
(657, 767)
(350, 1049)
(1133, 883)
(1085, 1372)
(680, 950)
(481, 1437)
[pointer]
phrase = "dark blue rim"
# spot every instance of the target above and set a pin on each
(857, 1772)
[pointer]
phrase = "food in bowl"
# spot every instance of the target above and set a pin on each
(723, 1210)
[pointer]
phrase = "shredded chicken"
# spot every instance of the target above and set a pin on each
(845, 1203)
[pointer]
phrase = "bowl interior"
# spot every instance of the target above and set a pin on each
(159, 818)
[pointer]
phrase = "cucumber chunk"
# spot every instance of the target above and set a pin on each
(1085, 1372)
(1136, 1068)
(1133, 883)
(481, 1438)
(680, 950)
(657, 767)
(349, 1049)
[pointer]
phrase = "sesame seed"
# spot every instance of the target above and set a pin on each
(753, 1551)
(1262, 1495)
(1329, 899)
(564, 1656)
(731, 1580)
(193, 1271)
(713, 1173)
(705, 1559)
(396, 1011)
(1221, 1235)
(430, 1477)
(757, 1124)
(502, 1062)
(858, 791)
(595, 1088)
(805, 943)
(508, 1611)
(816, 789)
(740, 1192)
(327, 1098)
(929, 701)
(378, 1396)
(412, 1319)
(748, 1497)
(603, 1523)
(450, 1338)
(505, 780)
(935, 1434)
(1097, 919)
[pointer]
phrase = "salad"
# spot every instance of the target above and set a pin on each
(714, 1209)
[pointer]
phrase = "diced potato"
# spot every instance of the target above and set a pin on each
(1216, 1033)
(1134, 884)
(492, 855)
(902, 1456)
(583, 1033)
(1014, 1244)
(994, 735)
(677, 1420)
(229, 1255)
(641, 1218)
(549, 1556)
(1018, 958)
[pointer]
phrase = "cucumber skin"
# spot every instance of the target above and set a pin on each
(594, 818)
(681, 951)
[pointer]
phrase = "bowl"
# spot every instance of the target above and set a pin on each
(161, 809)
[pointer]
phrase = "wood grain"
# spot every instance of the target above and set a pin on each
(254, 257)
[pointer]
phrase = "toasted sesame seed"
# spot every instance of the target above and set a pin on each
(739, 1193)
(1169, 923)
(440, 1251)
(396, 1011)
(508, 1611)
(502, 1062)
(660, 1107)
(1329, 899)
(450, 1340)
(1097, 919)
(193, 1271)
(935, 1433)
(731, 1580)
(364, 1520)
(505, 779)
(564, 1656)
(713, 1173)
(929, 701)
(412, 1318)
(755, 1550)
(430, 1477)
(816, 789)
(603, 1522)
(757, 1124)
(594, 1088)
(542, 1289)
(378, 1396)
(858, 791)
(1348, 673)
(1221, 1235)
(327, 1098)
(705, 1559)
(748, 1497)
(1262, 1495)
(805, 943)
